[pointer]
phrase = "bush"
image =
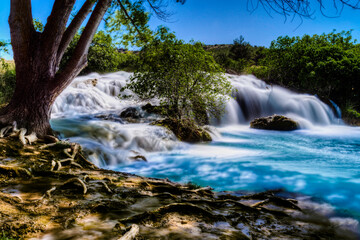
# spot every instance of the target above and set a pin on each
(7, 84)
(183, 76)
(7, 76)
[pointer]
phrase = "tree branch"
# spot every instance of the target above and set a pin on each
(73, 28)
(79, 58)
(303, 8)
(54, 29)
(128, 16)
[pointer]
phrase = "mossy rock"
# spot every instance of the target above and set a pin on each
(185, 130)
(275, 122)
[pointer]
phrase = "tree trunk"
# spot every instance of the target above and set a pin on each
(29, 108)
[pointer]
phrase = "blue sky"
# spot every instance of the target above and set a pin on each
(218, 22)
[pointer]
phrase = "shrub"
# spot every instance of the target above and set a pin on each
(7, 85)
(182, 75)
(7, 76)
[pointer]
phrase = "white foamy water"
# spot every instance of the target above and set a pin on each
(254, 98)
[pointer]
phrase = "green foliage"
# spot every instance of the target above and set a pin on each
(3, 47)
(130, 28)
(353, 113)
(182, 75)
(239, 56)
(103, 56)
(327, 65)
(7, 76)
(7, 83)
(240, 49)
(39, 26)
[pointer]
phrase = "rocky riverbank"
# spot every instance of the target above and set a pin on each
(50, 191)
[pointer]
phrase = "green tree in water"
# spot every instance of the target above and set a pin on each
(185, 77)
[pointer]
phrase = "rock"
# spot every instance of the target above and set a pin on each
(275, 122)
(130, 112)
(185, 130)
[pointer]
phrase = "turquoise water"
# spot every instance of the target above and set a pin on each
(321, 162)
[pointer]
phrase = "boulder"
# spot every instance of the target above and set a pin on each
(130, 112)
(185, 130)
(275, 122)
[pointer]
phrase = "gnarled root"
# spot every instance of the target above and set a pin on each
(31, 138)
(13, 171)
(280, 202)
(132, 233)
(24, 139)
(77, 180)
(4, 131)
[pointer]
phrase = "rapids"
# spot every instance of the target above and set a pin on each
(320, 160)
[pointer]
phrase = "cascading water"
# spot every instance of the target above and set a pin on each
(254, 98)
(88, 112)
(95, 94)
(319, 160)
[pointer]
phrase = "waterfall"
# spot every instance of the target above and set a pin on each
(88, 112)
(253, 98)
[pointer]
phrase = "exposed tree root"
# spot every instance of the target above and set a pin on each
(238, 205)
(106, 187)
(4, 131)
(13, 171)
(77, 180)
(24, 139)
(280, 202)
(132, 233)
(180, 208)
(49, 192)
